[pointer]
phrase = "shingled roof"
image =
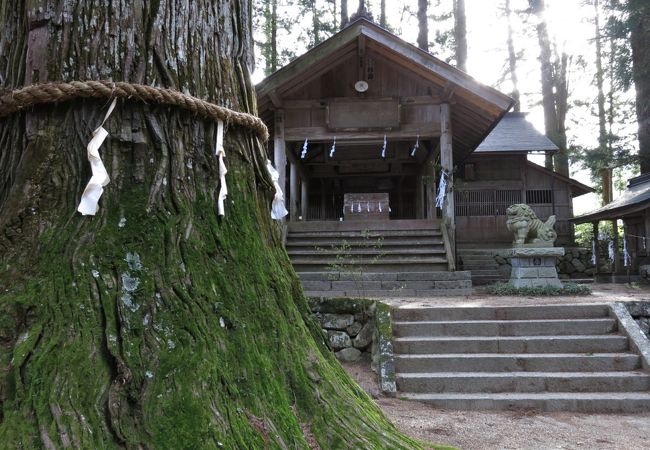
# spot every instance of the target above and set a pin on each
(636, 198)
(515, 134)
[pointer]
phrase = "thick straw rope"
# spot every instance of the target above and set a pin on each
(26, 97)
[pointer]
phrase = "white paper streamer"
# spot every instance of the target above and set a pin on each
(221, 153)
(304, 149)
(593, 251)
(368, 206)
(610, 250)
(415, 147)
(88, 204)
(627, 260)
(333, 149)
(383, 149)
(379, 206)
(442, 190)
(278, 210)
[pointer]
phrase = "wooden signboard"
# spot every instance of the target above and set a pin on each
(356, 115)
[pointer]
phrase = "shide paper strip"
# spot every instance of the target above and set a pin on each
(278, 210)
(88, 205)
(221, 153)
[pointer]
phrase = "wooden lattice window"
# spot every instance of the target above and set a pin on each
(485, 202)
(539, 197)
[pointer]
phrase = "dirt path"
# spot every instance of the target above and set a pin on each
(484, 430)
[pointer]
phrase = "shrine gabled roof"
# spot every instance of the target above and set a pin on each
(633, 200)
(476, 108)
(516, 134)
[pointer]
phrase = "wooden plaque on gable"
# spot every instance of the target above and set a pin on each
(363, 114)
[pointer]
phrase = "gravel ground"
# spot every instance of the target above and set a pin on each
(486, 430)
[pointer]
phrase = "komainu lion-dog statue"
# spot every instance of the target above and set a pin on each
(527, 228)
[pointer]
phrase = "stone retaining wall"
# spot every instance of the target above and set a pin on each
(640, 312)
(349, 325)
(576, 263)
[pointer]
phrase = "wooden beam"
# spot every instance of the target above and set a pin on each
(323, 134)
(322, 102)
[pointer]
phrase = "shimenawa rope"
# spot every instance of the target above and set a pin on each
(56, 92)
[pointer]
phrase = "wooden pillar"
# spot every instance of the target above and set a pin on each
(616, 266)
(447, 163)
(430, 188)
(304, 198)
(596, 246)
(646, 232)
(293, 192)
(280, 151)
(419, 200)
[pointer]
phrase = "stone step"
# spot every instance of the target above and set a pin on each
(584, 402)
(505, 327)
(382, 276)
(517, 344)
(362, 251)
(498, 382)
(536, 312)
(337, 243)
(495, 362)
(369, 293)
(337, 285)
(479, 261)
(365, 235)
(484, 272)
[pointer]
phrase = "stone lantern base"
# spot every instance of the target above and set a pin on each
(535, 266)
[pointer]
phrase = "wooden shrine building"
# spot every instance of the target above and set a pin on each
(363, 127)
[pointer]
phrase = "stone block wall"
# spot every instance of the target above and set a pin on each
(640, 312)
(349, 325)
(576, 263)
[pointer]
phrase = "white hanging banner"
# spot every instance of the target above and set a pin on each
(304, 149)
(594, 248)
(442, 190)
(627, 260)
(88, 205)
(278, 210)
(221, 153)
(415, 147)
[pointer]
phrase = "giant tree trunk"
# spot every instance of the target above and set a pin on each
(155, 323)
(639, 38)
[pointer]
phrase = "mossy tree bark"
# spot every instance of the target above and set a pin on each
(154, 324)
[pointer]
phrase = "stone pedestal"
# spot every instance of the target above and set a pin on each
(532, 267)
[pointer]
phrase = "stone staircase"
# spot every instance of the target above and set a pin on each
(549, 358)
(373, 259)
(481, 263)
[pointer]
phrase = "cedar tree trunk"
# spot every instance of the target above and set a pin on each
(640, 38)
(155, 323)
